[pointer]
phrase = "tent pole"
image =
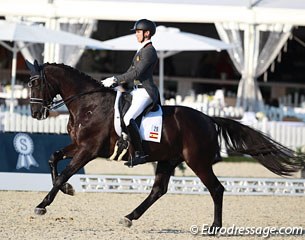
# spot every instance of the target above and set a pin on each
(161, 76)
(13, 79)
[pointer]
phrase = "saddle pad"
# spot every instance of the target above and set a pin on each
(151, 125)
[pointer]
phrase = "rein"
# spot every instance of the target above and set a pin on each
(59, 103)
(51, 105)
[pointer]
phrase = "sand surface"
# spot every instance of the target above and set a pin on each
(89, 216)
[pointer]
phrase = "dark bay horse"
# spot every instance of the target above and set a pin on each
(188, 135)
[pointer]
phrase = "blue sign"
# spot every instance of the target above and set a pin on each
(30, 153)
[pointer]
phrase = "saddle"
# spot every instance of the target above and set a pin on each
(122, 106)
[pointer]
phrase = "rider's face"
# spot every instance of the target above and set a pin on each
(139, 35)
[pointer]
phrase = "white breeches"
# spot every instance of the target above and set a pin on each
(140, 100)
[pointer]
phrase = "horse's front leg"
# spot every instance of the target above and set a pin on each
(80, 159)
(163, 173)
(67, 152)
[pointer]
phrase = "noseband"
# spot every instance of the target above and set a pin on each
(44, 86)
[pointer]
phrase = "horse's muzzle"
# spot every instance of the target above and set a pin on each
(40, 115)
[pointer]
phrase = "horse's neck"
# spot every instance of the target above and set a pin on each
(86, 93)
(78, 88)
(69, 88)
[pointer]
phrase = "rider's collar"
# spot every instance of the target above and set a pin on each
(143, 44)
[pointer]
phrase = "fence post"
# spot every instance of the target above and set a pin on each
(303, 172)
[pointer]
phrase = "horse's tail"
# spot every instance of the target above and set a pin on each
(271, 154)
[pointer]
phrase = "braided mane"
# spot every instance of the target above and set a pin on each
(76, 71)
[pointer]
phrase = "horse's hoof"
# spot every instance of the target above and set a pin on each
(40, 211)
(214, 229)
(126, 222)
(67, 189)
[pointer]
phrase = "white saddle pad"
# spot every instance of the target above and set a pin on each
(151, 125)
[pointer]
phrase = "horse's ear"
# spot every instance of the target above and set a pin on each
(31, 67)
(36, 66)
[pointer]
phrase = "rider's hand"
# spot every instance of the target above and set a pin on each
(109, 82)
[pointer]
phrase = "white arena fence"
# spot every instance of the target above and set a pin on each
(143, 184)
(212, 109)
(193, 185)
(19, 122)
(290, 134)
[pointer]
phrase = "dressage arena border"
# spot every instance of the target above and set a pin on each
(143, 184)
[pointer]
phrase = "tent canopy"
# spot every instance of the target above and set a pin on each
(247, 12)
(20, 32)
(11, 31)
(169, 41)
(204, 11)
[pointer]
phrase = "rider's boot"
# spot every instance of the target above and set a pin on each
(140, 157)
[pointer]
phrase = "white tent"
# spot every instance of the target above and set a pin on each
(169, 41)
(21, 32)
(257, 46)
(194, 11)
(253, 14)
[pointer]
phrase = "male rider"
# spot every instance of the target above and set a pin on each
(140, 76)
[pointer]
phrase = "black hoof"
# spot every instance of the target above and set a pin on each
(125, 222)
(129, 164)
(214, 229)
(67, 189)
(40, 211)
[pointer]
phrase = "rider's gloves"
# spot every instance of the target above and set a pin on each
(109, 82)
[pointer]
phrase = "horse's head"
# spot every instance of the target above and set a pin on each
(41, 97)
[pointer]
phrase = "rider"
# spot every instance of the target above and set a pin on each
(140, 76)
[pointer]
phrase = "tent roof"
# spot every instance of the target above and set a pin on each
(170, 39)
(252, 11)
(10, 31)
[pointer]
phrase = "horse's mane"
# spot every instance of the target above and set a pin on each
(82, 75)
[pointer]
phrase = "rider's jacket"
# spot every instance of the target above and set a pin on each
(140, 73)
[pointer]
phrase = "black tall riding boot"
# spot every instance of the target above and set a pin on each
(133, 132)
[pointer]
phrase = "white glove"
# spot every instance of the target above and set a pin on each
(108, 82)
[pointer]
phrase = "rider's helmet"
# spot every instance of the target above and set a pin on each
(145, 25)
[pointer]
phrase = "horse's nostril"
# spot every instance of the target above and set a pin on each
(39, 116)
(36, 115)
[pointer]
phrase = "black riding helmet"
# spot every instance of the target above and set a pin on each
(145, 25)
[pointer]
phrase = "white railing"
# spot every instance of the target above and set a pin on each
(143, 184)
(216, 107)
(25, 123)
(289, 134)
(192, 185)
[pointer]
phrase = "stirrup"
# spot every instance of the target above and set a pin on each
(137, 159)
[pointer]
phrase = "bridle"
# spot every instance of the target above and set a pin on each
(44, 86)
(49, 104)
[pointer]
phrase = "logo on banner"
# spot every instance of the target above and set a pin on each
(23, 144)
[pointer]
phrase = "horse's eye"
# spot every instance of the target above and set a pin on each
(33, 83)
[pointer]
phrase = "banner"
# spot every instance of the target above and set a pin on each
(30, 153)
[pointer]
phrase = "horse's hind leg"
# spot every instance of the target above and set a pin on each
(67, 152)
(216, 190)
(163, 173)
